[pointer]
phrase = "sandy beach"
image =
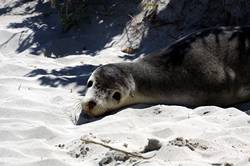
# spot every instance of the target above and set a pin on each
(42, 77)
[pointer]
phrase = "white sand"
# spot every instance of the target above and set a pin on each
(38, 102)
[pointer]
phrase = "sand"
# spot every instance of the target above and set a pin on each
(39, 107)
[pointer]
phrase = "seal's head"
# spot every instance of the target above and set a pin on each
(109, 87)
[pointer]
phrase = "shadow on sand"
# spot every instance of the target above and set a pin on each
(177, 19)
(48, 37)
(77, 75)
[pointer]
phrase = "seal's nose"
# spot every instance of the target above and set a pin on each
(91, 104)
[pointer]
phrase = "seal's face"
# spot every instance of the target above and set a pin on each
(108, 88)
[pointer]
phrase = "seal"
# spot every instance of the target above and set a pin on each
(208, 67)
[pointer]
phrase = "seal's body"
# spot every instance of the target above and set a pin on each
(210, 67)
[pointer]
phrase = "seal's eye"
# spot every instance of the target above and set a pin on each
(117, 96)
(90, 83)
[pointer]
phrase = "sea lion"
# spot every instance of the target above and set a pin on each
(208, 67)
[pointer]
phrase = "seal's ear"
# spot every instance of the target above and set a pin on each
(132, 93)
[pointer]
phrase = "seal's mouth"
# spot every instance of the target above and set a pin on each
(91, 115)
(96, 113)
(87, 111)
(97, 109)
